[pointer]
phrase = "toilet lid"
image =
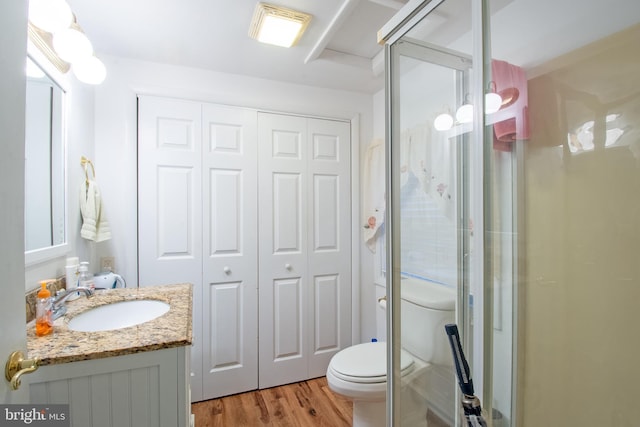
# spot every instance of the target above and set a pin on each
(367, 363)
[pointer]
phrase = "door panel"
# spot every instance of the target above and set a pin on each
(287, 326)
(13, 22)
(175, 226)
(326, 313)
(170, 210)
(230, 328)
(329, 256)
(287, 207)
(198, 224)
(225, 322)
(282, 245)
(325, 210)
(305, 246)
(225, 221)
(169, 204)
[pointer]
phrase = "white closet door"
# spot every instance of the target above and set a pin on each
(329, 247)
(305, 248)
(169, 203)
(230, 274)
(282, 152)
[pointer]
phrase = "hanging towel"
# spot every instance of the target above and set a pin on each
(94, 224)
(512, 121)
(374, 192)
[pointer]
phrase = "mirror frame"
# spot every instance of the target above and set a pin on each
(37, 256)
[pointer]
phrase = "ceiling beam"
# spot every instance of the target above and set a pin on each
(391, 4)
(343, 13)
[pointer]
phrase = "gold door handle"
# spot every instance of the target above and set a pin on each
(17, 366)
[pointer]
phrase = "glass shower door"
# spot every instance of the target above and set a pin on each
(430, 211)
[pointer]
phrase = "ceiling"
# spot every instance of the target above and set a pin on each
(337, 51)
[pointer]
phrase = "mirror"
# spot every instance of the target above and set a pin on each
(45, 198)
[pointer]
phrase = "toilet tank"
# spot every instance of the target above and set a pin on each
(425, 308)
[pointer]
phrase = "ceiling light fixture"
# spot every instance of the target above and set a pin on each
(277, 25)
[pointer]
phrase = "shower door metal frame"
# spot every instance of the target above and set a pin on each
(391, 34)
(461, 65)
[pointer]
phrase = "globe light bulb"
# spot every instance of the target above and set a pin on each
(72, 45)
(492, 102)
(465, 113)
(50, 15)
(443, 122)
(90, 70)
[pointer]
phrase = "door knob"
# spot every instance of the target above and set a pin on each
(17, 366)
(226, 270)
(287, 267)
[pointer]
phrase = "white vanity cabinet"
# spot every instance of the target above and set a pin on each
(143, 389)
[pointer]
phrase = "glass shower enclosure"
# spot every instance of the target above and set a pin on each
(446, 233)
(513, 175)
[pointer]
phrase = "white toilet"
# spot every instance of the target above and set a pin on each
(359, 372)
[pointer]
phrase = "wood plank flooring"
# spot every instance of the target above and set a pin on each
(305, 404)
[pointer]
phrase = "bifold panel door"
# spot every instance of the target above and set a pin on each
(253, 209)
(230, 259)
(305, 246)
(198, 224)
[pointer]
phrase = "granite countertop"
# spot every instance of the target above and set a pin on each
(172, 329)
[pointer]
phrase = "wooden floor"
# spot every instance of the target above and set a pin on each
(305, 404)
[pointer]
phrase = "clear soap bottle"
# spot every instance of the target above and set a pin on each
(85, 279)
(44, 322)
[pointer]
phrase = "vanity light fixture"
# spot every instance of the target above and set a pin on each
(492, 103)
(53, 29)
(277, 25)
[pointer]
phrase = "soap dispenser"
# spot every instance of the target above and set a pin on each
(44, 322)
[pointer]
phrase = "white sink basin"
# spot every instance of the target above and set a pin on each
(118, 315)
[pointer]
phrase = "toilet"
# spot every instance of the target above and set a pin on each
(359, 372)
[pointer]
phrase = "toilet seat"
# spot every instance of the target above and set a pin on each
(367, 363)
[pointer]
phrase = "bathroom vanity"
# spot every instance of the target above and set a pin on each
(131, 376)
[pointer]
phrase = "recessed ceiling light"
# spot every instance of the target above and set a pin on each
(277, 25)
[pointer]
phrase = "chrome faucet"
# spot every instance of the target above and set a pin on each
(58, 308)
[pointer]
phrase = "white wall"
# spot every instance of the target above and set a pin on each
(115, 140)
(372, 327)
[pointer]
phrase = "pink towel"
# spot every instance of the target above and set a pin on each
(512, 119)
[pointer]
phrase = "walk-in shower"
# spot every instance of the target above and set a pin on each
(528, 209)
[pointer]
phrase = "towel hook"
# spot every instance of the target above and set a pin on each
(84, 161)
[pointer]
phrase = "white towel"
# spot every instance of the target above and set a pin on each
(94, 224)
(374, 192)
